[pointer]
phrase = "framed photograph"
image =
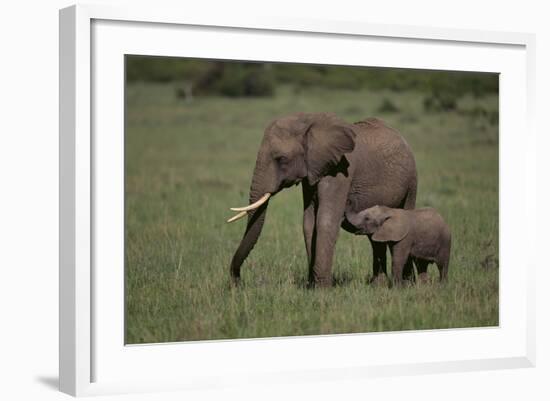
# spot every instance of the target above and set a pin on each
(396, 164)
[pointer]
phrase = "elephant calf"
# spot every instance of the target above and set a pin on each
(420, 234)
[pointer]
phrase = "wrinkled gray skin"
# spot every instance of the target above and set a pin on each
(420, 234)
(339, 165)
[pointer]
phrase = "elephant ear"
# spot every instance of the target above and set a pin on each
(325, 146)
(394, 228)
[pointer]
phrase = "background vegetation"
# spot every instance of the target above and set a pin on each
(190, 146)
(237, 79)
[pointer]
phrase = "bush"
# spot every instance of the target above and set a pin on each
(482, 114)
(237, 80)
(387, 106)
(163, 69)
(439, 102)
(258, 83)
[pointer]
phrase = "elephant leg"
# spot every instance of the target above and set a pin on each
(332, 196)
(408, 271)
(379, 273)
(309, 226)
(399, 257)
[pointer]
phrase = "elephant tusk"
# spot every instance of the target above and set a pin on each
(254, 205)
(237, 217)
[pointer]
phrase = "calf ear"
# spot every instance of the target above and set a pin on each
(325, 146)
(394, 228)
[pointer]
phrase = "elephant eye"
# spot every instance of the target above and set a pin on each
(281, 159)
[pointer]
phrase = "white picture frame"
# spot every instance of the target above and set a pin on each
(93, 357)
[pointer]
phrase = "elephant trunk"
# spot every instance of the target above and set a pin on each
(252, 233)
(353, 218)
(357, 220)
(263, 183)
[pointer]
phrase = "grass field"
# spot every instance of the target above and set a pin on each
(187, 163)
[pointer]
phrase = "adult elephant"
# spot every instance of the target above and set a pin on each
(341, 167)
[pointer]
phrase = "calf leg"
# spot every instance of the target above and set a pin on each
(422, 267)
(399, 256)
(443, 264)
(443, 267)
(379, 273)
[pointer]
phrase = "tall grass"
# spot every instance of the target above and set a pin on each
(186, 163)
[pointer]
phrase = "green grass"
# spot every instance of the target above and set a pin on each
(187, 163)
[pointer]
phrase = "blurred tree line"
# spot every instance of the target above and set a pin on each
(237, 79)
